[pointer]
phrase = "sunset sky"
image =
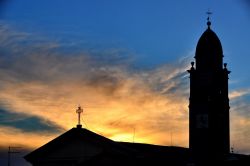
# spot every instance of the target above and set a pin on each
(124, 62)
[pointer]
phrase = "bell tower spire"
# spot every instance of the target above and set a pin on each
(209, 53)
(208, 102)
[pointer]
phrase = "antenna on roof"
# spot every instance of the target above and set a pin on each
(134, 136)
(12, 150)
(171, 138)
(79, 111)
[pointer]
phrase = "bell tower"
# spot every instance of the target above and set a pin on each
(209, 102)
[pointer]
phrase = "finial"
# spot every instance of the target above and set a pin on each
(225, 65)
(208, 18)
(192, 64)
(79, 111)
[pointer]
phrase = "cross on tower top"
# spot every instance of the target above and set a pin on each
(79, 110)
(208, 18)
(208, 14)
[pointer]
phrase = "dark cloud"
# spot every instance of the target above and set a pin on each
(27, 123)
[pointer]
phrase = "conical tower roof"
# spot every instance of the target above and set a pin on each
(209, 51)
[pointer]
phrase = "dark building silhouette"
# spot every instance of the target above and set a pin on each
(81, 147)
(209, 127)
(209, 102)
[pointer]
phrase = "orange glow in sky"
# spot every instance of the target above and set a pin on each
(121, 103)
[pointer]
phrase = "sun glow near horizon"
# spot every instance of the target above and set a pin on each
(41, 88)
(115, 101)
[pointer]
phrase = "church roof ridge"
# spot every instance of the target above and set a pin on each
(73, 134)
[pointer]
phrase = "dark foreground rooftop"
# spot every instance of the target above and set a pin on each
(79, 146)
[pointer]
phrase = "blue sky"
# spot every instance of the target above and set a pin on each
(167, 24)
(117, 54)
(155, 31)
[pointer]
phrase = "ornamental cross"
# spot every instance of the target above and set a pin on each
(79, 111)
(208, 14)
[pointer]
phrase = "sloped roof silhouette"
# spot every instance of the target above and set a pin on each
(117, 153)
(76, 135)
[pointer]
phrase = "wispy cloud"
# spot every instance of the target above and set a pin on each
(238, 93)
(240, 120)
(41, 80)
(45, 82)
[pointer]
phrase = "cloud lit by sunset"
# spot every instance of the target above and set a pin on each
(119, 102)
(124, 62)
(41, 87)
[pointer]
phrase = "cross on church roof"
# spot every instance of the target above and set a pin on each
(79, 110)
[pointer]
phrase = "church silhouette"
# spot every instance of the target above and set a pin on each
(209, 131)
(209, 102)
